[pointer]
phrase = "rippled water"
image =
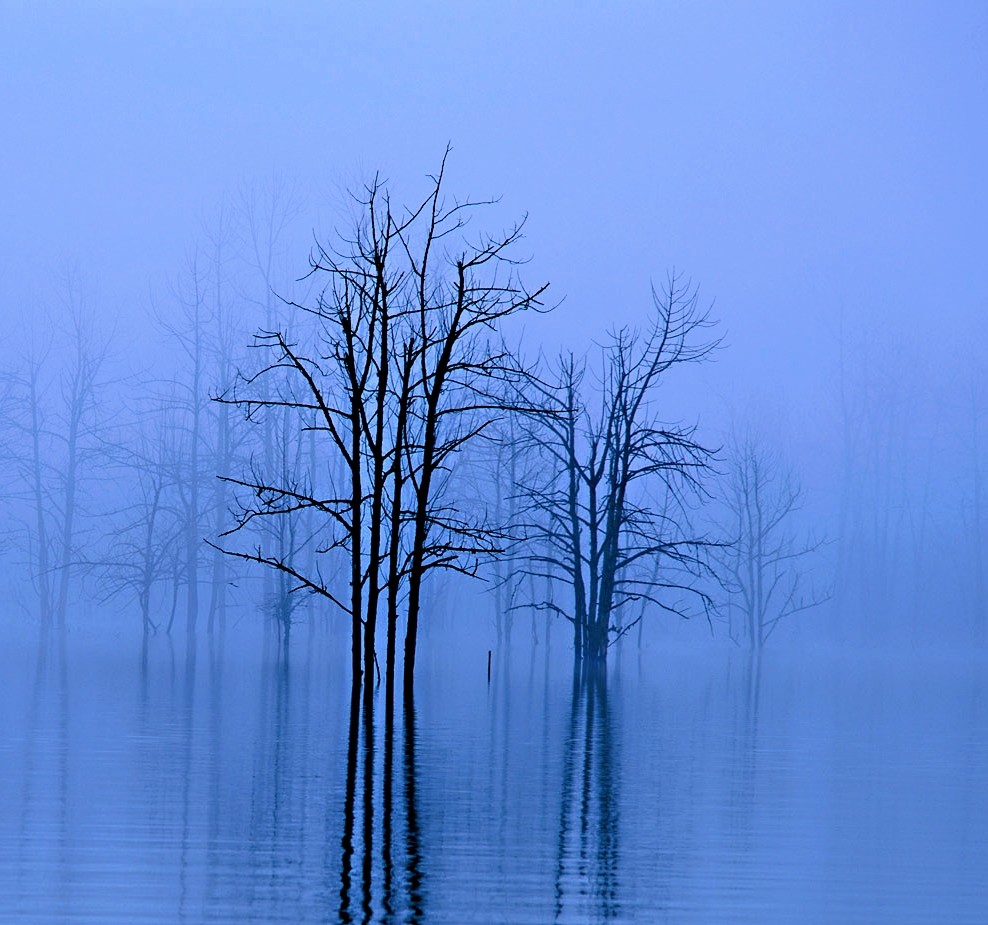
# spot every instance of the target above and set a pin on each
(238, 789)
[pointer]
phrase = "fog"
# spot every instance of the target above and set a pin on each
(423, 391)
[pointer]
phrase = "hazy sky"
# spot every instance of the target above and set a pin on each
(796, 159)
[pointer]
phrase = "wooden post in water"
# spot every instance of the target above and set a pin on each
(488, 666)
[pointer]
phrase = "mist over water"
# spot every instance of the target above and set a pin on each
(679, 788)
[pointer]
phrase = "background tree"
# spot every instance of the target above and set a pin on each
(146, 523)
(188, 331)
(56, 421)
(29, 428)
(766, 562)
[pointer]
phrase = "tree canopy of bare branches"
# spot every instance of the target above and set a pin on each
(609, 509)
(395, 367)
(764, 564)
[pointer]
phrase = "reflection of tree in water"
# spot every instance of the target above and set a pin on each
(367, 871)
(45, 783)
(393, 882)
(187, 809)
(366, 866)
(745, 754)
(280, 793)
(346, 857)
(413, 854)
(587, 854)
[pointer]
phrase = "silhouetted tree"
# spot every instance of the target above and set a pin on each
(403, 369)
(463, 374)
(618, 480)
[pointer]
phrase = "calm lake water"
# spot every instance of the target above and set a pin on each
(677, 789)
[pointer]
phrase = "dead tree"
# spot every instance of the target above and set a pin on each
(619, 480)
(59, 418)
(80, 385)
(144, 529)
(395, 367)
(188, 332)
(223, 438)
(36, 470)
(463, 375)
(764, 564)
(498, 471)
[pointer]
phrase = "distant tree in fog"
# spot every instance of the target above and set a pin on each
(144, 520)
(188, 330)
(609, 505)
(206, 322)
(892, 495)
(499, 478)
(55, 420)
(263, 217)
(765, 565)
(28, 446)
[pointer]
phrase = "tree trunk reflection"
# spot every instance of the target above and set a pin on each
(391, 879)
(588, 841)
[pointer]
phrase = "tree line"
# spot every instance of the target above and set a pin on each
(379, 429)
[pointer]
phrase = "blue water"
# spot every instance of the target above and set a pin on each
(678, 788)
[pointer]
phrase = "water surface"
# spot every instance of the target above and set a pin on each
(235, 787)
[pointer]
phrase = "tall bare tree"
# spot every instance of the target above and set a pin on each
(618, 480)
(188, 330)
(55, 409)
(396, 366)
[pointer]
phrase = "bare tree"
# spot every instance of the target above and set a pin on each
(498, 469)
(463, 375)
(404, 368)
(58, 417)
(619, 480)
(223, 439)
(188, 331)
(145, 527)
(264, 218)
(79, 387)
(765, 564)
(28, 420)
